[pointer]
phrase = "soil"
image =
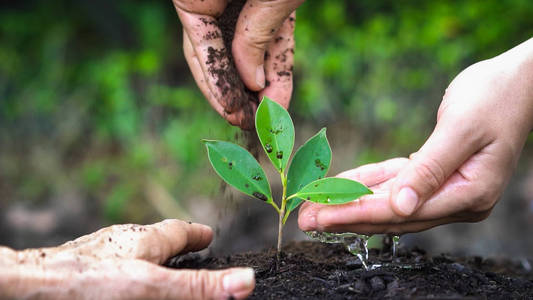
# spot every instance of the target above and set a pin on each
(312, 270)
(222, 66)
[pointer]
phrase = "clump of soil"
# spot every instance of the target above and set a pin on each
(222, 66)
(311, 270)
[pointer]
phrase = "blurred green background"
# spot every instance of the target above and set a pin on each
(100, 120)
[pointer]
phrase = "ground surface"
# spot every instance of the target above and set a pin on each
(311, 270)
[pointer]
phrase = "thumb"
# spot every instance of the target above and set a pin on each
(258, 24)
(235, 283)
(449, 146)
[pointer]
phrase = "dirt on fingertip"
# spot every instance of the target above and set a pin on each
(312, 270)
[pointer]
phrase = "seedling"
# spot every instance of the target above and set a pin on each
(303, 180)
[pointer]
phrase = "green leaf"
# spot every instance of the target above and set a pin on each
(311, 162)
(239, 168)
(332, 190)
(276, 132)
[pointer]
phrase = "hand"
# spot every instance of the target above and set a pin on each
(263, 50)
(121, 262)
(460, 172)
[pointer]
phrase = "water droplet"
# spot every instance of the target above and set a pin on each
(279, 154)
(257, 177)
(268, 148)
(260, 196)
(356, 244)
(329, 200)
(395, 244)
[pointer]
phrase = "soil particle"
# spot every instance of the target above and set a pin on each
(310, 270)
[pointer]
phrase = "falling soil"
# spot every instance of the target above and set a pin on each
(311, 270)
(222, 66)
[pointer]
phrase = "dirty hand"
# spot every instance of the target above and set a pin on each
(120, 262)
(460, 172)
(262, 49)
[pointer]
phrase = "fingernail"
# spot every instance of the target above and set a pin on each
(238, 281)
(407, 200)
(260, 76)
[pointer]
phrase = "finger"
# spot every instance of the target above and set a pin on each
(393, 228)
(279, 60)
(139, 279)
(372, 175)
(234, 118)
(258, 24)
(453, 202)
(154, 243)
(448, 147)
(206, 40)
(376, 173)
(235, 283)
(212, 8)
(374, 209)
(197, 236)
(160, 241)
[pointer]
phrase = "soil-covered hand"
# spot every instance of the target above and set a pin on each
(120, 262)
(262, 48)
(460, 172)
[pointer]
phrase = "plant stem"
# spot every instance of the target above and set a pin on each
(282, 214)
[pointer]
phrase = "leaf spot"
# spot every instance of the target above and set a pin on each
(279, 154)
(276, 131)
(268, 148)
(319, 164)
(260, 196)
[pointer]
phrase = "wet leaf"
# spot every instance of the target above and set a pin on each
(239, 169)
(311, 162)
(332, 190)
(276, 132)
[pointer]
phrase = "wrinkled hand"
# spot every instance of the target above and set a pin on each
(460, 172)
(262, 48)
(120, 262)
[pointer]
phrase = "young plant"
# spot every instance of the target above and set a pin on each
(303, 180)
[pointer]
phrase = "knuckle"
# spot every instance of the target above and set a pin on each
(431, 173)
(484, 200)
(201, 284)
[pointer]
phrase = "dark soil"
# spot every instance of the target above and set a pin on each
(222, 66)
(311, 270)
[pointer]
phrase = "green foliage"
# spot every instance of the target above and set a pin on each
(239, 168)
(301, 171)
(276, 132)
(332, 190)
(105, 84)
